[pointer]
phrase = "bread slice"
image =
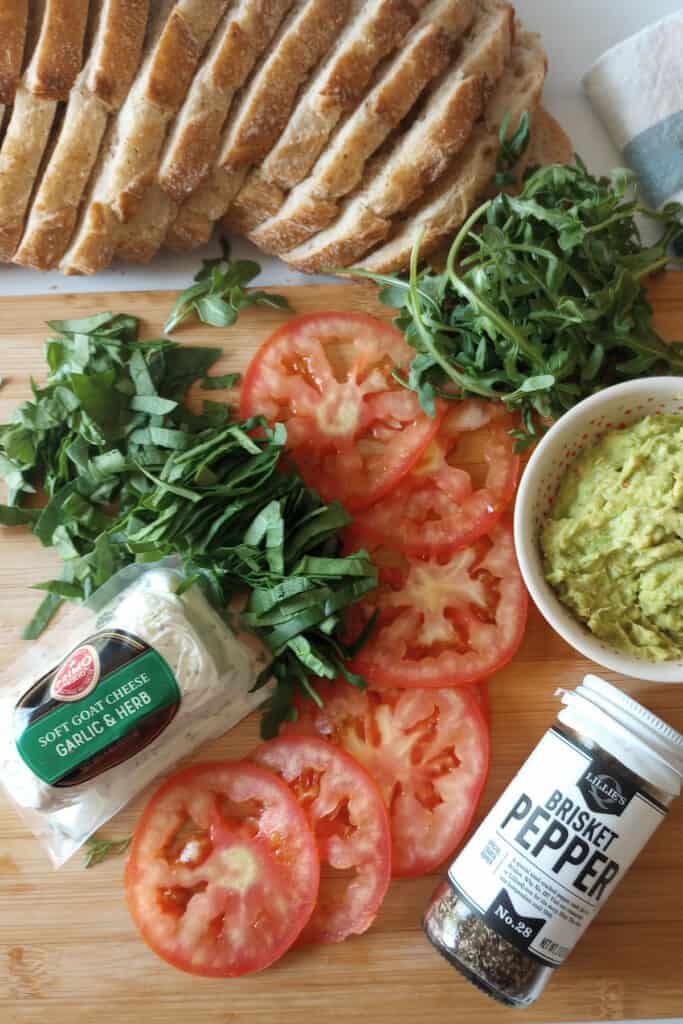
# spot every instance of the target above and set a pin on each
(265, 104)
(59, 50)
(374, 30)
(22, 151)
(314, 203)
(446, 205)
(101, 88)
(421, 154)
(13, 22)
(129, 156)
(192, 146)
(139, 239)
(50, 72)
(115, 51)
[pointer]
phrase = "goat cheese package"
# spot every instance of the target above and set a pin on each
(149, 673)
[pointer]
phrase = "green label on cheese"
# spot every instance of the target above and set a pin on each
(106, 700)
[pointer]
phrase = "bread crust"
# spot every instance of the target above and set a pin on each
(55, 207)
(54, 63)
(59, 50)
(22, 151)
(13, 23)
(422, 153)
(116, 51)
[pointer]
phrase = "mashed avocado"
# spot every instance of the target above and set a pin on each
(613, 545)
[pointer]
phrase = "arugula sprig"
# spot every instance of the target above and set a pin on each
(98, 850)
(511, 149)
(219, 293)
(130, 474)
(542, 302)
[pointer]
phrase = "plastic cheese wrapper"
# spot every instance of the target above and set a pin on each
(121, 690)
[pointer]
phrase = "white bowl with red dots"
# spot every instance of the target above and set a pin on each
(573, 433)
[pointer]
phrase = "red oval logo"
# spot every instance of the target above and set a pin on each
(78, 676)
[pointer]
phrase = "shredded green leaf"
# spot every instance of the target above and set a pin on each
(227, 381)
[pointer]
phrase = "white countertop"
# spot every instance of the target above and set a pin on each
(575, 33)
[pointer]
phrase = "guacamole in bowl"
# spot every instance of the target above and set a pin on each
(612, 543)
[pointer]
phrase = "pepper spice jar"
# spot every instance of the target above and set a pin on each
(561, 837)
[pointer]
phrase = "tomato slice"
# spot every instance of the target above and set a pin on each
(443, 621)
(350, 822)
(480, 693)
(224, 870)
(353, 430)
(428, 751)
(441, 504)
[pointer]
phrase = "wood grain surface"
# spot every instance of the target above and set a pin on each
(68, 949)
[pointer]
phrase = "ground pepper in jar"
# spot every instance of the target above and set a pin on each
(561, 837)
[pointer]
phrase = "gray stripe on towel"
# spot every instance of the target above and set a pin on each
(656, 155)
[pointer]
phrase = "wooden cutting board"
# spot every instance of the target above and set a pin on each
(68, 949)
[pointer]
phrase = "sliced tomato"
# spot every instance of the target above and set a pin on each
(480, 693)
(443, 621)
(224, 870)
(446, 502)
(350, 822)
(353, 430)
(428, 751)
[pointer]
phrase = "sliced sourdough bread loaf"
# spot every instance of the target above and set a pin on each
(375, 29)
(264, 106)
(99, 91)
(191, 149)
(13, 24)
(58, 54)
(129, 156)
(419, 156)
(314, 203)
(445, 206)
(548, 144)
(49, 75)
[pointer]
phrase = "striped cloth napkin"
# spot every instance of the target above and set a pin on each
(636, 89)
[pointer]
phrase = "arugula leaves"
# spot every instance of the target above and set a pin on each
(130, 474)
(219, 293)
(541, 303)
(511, 149)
